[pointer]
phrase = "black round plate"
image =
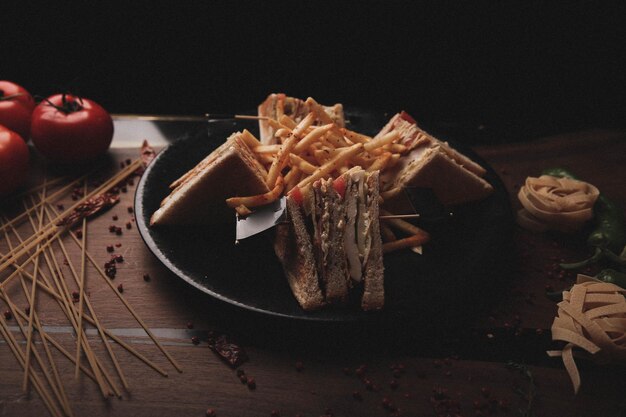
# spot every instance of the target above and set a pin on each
(459, 267)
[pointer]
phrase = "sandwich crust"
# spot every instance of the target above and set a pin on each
(373, 276)
(294, 249)
(198, 197)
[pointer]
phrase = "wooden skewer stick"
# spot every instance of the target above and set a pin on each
(218, 116)
(399, 216)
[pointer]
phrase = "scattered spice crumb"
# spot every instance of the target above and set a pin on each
(210, 413)
(251, 383)
(146, 277)
(130, 209)
(189, 325)
(129, 225)
(120, 288)
(118, 245)
(195, 340)
(110, 248)
(115, 217)
(8, 315)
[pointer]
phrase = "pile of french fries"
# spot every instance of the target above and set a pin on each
(317, 148)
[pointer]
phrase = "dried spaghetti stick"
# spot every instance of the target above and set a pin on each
(259, 199)
(407, 242)
(292, 178)
(403, 225)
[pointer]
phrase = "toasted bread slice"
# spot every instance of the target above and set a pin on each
(198, 197)
(294, 249)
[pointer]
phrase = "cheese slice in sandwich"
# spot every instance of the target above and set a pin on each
(198, 196)
(362, 241)
(431, 163)
(279, 104)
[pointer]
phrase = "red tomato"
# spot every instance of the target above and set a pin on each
(16, 106)
(297, 196)
(14, 158)
(339, 184)
(69, 129)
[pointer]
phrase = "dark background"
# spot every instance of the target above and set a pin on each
(479, 72)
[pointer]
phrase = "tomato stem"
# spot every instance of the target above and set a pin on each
(68, 106)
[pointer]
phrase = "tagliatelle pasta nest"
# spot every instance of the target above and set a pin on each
(552, 203)
(591, 319)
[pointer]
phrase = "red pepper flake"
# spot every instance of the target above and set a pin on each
(360, 371)
(195, 340)
(118, 245)
(243, 378)
(79, 234)
(226, 349)
(60, 206)
(251, 383)
(129, 225)
(112, 228)
(27, 310)
(146, 277)
(189, 325)
(119, 259)
(118, 231)
(124, 189)
(130, 209)
(110, 270)
(89, 208)
(122, 164)
(75, 295)
(210, 413)
(120, 288)
(299, 366)
(110, 248)
(369, 385)
(115, 217)
(8, 315)
(130, 181)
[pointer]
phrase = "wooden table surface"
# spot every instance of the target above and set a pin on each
(313, 370)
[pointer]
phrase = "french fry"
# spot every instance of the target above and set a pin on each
(379, 163)
(397, 148)
(250, 139)
(318, 109)
(381, 141)
(282, 132)
(355, 137)
(266, 149)
(287, 121)
(304, 125)
(336, 138)
(259, 199)
(407, 242)
(302, 164)
(265, 158)
(393, 160)
(280, 160)
(334, 163)
(387, 234)
(243, 211)
(311, 137)
(292, 178)
(322, 155)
